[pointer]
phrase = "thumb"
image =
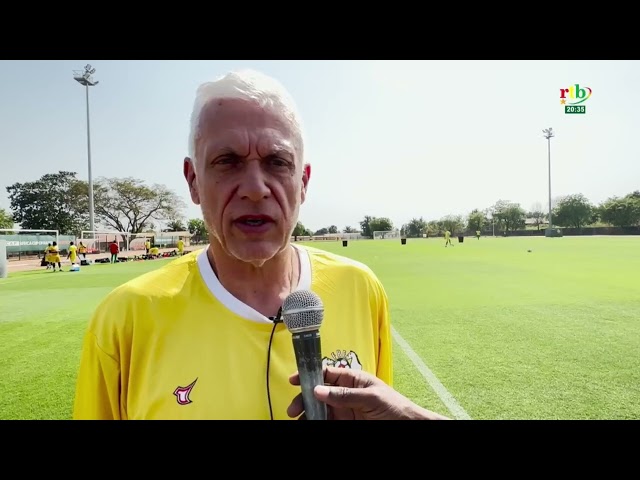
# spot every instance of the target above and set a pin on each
(343, 397)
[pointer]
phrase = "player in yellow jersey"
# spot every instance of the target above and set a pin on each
(198, 338)
(180, 246)
(82, 250)
(447, 238)
(54, 256)
(47, 256)
(73, 255)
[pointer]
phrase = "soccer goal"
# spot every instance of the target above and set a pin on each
(26, 243)
(97, 241)
(384, 235)
(138, 241)
(351, 236)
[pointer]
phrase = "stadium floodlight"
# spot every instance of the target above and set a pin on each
(85, 78)
(548, 134)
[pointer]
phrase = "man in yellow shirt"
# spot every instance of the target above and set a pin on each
(447, 238)
(180, 246)
(200, 338)
(54, 256)
(47, 256)
(72, 256)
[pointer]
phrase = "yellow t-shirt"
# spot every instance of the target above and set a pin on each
(174, 344)
(72, 252)
(180, 245)
(54, 254)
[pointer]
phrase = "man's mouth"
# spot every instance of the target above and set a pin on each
(254, 220)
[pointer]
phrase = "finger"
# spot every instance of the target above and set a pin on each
(296, 407)
(294, 379)
(344, 397)
(344, 377)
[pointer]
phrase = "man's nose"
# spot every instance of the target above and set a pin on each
(253, 184)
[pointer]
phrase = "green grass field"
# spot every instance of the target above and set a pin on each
(551, 334)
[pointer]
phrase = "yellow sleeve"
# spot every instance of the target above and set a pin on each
(385, 354)
(98, 384)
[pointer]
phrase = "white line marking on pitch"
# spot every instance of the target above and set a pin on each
(451, 403)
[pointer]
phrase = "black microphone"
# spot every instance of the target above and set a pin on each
(302, 313)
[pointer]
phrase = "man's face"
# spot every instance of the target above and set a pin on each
(248, 178)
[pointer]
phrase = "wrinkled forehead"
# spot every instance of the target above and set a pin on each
(243, 124)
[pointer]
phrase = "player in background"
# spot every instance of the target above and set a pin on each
(73, 253)
(47, 257)
(54, 256)
(478, 234)
(180, 247)
(447, 238)
(82, 250)
(114, 249)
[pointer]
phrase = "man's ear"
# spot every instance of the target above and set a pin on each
(306, 175)
(189, 170)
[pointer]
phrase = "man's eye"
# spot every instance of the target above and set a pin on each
(229, 160)
(279, 162)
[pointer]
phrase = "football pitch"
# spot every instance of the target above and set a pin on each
(484, 329)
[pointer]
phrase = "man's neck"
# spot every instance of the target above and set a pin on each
(262, 288)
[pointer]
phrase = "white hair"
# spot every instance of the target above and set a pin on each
(248, 85)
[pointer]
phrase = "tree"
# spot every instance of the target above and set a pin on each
(128, 205)
(537, 215)
(509, 216)
(475, 220)
(175, 226)
(434, 228)
(365, 226)
(333, 229)
(453, 223)
(374, 224)
(301, 231)
(573, 211)
(56, 201)
(349, 229)
(197, 228)
(6, 220)
(621, 212)
(415, 228)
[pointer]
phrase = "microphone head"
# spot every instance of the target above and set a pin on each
(302, 310)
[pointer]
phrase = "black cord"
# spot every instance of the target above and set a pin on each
(276, 320)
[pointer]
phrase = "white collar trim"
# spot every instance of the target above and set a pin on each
(232, 303)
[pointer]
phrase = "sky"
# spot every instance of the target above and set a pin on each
(400, 139)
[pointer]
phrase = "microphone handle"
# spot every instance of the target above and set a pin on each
(307, 347)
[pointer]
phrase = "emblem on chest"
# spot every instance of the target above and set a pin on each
(343, 359)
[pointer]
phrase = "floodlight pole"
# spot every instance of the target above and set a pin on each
(548, 134)
(85, 78)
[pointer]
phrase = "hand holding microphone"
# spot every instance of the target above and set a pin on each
(350, 394)
(358, 395)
